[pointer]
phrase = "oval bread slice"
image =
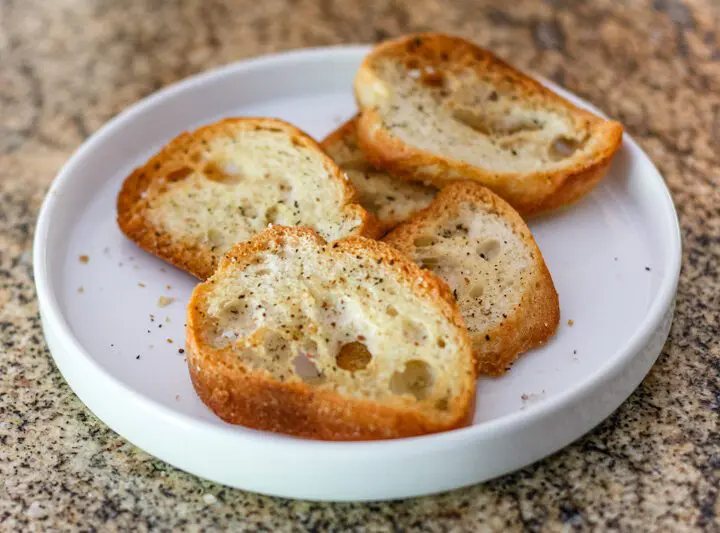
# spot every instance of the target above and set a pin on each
(223, 183)
(480, 246)
(343, 341)
(439, 108)
(392, 200)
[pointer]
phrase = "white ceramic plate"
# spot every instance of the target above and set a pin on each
(615, 259)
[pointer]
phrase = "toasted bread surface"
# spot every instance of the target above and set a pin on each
(223, 183)
(439, 108)
(342, 341)
(480, 246)
(391, 199)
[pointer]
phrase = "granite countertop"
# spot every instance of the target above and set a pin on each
(67, 67)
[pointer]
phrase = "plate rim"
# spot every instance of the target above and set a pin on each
(53, 316)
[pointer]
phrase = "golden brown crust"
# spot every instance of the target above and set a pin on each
(339, 135)
(255, 399)
(347, 130)
(173, 162)
(346, 135)
(538, 191)
(535, 320)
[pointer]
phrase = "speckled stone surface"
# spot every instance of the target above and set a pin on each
(68, 66)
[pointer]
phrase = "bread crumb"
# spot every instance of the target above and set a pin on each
(141, 284)
(169, 341)
(84, 259)
(164, 301)
(571, 323)
(167, 319)
(81, 289)
(168, 287)
(531, 397)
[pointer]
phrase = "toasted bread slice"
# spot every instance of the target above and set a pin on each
(439, 108)
(480, 246)
(390, 199)
(225, 182)
(343, 341)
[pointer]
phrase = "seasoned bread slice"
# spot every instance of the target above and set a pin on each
(343, 341)
(439, 108)
(390, 199)
(225, 182)
(480, 246)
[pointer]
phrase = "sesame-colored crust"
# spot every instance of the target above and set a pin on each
(341, 133)
(535, 319)
(527, 192)
(176, 160)
(346, 134)
(255, 399)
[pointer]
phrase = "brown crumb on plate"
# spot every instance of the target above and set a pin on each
(571, 323)
(84, 259)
